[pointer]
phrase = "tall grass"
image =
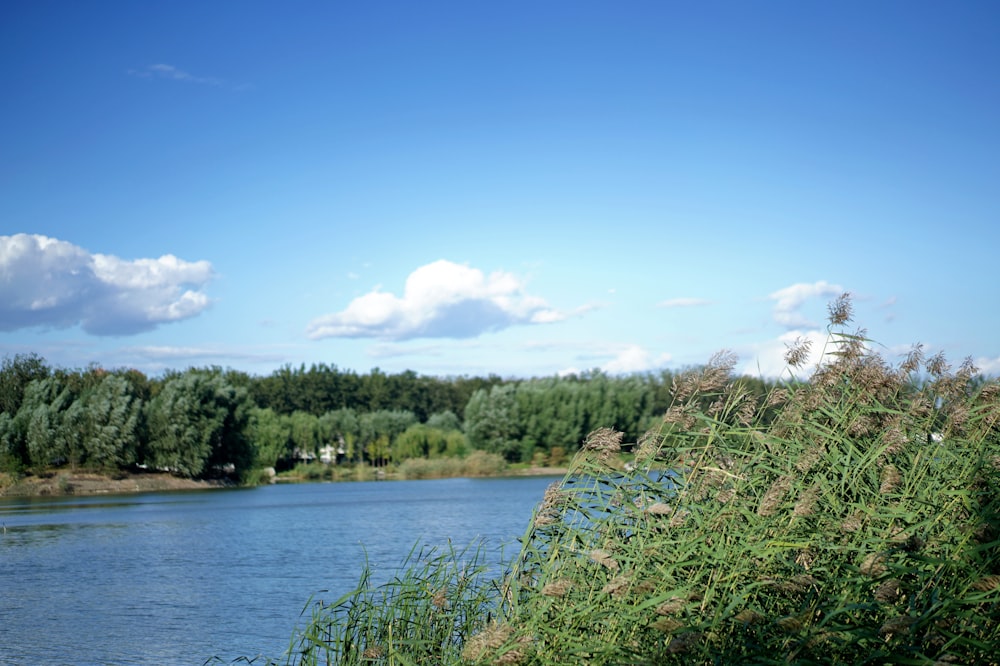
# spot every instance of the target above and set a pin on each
(425, 614)
(852, 518)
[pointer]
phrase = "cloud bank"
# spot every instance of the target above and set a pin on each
(440, 300)
(46, 282)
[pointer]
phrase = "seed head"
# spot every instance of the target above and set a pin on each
(937, 365)
(604, 558)
(890, 479)
(557, 588)
(797, 353)
(605, 441)
(888, 591)
(617, 586)
(841, 310)
(774, 495)
(374, 652)
(806, 503)
(987, 583)
(873, 565)
(913, 360)
(671, 606)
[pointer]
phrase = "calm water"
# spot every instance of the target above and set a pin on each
(176, 578)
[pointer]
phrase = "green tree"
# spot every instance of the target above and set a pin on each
(109, 421)
(198, 426)
(271, 436)
(491, 421)
(16, 372)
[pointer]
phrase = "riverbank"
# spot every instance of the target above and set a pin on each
(88, 483)
(62, 483)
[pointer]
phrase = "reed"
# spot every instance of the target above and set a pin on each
(852, 518)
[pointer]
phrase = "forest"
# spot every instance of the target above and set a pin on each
(213, 422)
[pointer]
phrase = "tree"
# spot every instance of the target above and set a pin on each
(109, 421)
(271, 437)
(198, 426)
(491, 421)
(15, 374)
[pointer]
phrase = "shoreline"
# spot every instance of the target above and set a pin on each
(87, 484)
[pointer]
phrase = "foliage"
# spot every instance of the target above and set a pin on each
(109, 423)
(491, 421)
(15, 374)
(197, 426)
(272, 438)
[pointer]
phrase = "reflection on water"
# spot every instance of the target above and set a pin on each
(177, 578)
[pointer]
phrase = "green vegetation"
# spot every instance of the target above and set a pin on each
(214, 423)
(853, 518)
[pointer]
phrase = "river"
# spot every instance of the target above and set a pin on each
(178, 578)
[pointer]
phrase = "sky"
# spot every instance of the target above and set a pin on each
(511, 188)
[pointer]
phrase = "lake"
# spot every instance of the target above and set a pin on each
(177, 578)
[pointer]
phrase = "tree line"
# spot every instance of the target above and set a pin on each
(210, 422)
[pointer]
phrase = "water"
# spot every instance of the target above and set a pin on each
(176, 578)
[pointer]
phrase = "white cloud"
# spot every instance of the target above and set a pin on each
(47, 282)
(440, 300)
(162, 71)
(989, 366)
(634, 358)
(791, 299)
(768, 358)
(682, 302)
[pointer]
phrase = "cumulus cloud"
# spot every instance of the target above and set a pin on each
(440, 300)
(634, 358)
(46, 282)
(682, 302)
(790, 300)
(988, 366)
(767, 359)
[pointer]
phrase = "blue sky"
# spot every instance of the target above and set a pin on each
(520, 188)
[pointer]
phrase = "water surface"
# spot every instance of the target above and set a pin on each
(176, 578)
